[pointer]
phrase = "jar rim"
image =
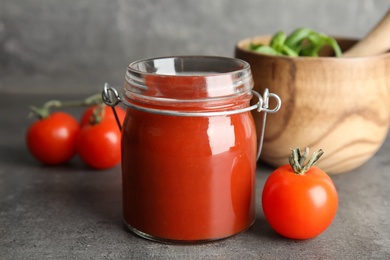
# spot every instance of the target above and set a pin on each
(188, 78)
(245, 65)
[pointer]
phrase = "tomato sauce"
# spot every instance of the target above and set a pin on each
(188, 178)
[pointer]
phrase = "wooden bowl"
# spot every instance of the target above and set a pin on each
(341, 105)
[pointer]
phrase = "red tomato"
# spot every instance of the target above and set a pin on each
(299, 206)
(52, 140)
(108, 114)
(99, 145)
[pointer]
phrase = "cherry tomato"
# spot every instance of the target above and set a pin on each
(87, 117)
(52, 140)
(99, 145)
(299, 206)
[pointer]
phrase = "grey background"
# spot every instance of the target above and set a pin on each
(81, 44)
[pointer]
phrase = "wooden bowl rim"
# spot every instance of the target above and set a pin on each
(242, 44)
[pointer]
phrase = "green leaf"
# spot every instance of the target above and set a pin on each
(267, 50)
(295, 39)
(288, 51)
(335, 46)
(253, 46)
(301, 42)
(278, 40)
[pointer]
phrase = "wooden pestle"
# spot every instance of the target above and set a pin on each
(376, 42)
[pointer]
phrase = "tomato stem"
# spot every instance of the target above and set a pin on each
(297, 160)
(98, 114)
(44, 110)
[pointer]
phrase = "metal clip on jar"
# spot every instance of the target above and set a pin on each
(189, 147)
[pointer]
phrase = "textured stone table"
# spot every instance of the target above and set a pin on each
(72, 212)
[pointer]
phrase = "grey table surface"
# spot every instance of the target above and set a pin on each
(73, 212)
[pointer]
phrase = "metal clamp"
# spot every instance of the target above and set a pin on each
(111, 98)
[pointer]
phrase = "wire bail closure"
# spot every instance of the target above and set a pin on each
(111, 98)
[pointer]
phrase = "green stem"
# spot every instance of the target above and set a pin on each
(98, 114)
(44, 110)
(91, 100)
(297, 160)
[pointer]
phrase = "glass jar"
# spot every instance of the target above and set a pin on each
(188, 148)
